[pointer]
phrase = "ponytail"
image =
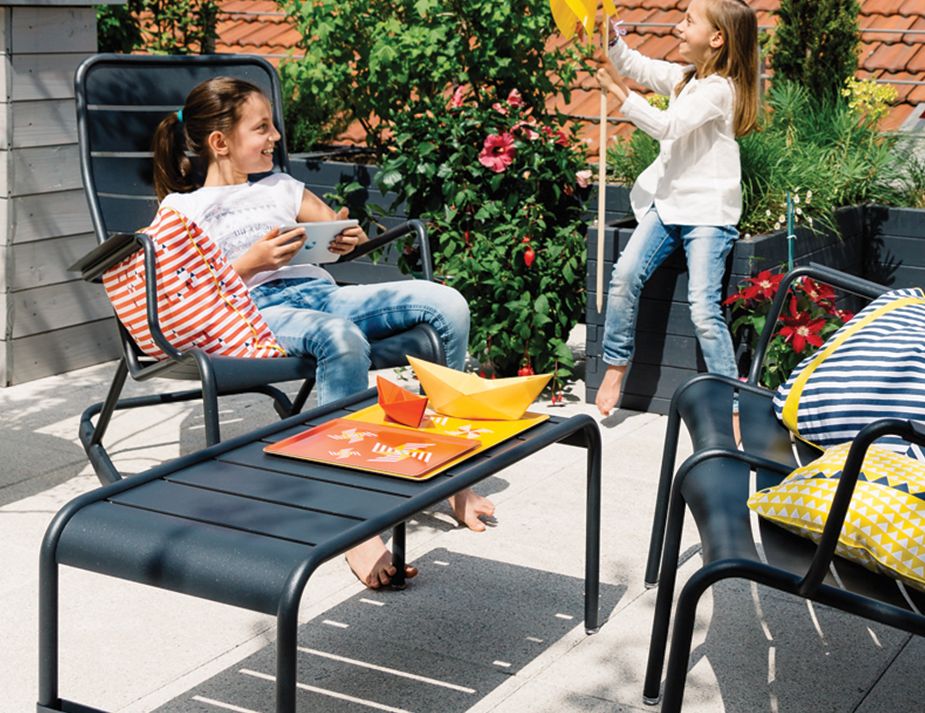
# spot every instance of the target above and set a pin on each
(213, 105)
(173, 170)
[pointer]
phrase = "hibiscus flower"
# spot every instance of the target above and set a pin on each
(458, 97)
(514, 98)
(501, 109)
(800, 329)
(583, 178)
(498, 151)
(526, 128)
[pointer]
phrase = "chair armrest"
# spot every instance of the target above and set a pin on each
(912, 431)
(412, 226)
(820, 273)
(110, 252)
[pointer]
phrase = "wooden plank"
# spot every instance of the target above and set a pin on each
(45, 262)
(43, 123)
(53, 307)
(43, 76)
(52, 29)
(46, 215)
(44, 169)
(62, 350)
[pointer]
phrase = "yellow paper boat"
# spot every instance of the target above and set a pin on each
(454, 393)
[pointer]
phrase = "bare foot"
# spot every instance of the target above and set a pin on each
(469, 508)
(609, 391)
(372, 564)
(736, 429)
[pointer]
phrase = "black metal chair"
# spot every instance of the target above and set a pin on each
(120, 100)
(714, 484)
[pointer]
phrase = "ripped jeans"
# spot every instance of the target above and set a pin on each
(312, 316)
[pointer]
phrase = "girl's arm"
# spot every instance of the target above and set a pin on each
(711, 100)
(314, 209)
(656, 74)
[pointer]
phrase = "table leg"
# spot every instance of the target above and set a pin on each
(593, 531)
(398, 555)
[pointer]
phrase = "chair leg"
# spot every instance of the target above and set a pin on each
(109, 405)
(679, 658)
(660, 622)
(209, 398)
(669, 455)
(593, 531)
(48, 630)
(299, 402)
(398, 556)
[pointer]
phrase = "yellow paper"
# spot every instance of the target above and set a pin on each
(488, 433)
(568, 13)
(461, 395)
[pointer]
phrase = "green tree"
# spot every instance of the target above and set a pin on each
(816, 44)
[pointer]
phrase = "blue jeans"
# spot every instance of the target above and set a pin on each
(652, 242)
(312, 316)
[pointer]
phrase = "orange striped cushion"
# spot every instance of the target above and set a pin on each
(202, 303)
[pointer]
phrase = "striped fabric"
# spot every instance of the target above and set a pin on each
(871, 368)
(202, 302)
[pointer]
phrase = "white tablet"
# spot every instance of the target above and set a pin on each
(318, 236)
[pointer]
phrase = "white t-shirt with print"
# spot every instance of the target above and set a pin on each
(236, 216)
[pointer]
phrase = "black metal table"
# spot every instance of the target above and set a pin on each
(232, 524)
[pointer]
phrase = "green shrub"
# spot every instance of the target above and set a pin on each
(508, 235)
(170, 27)
(816, 44)
(828, 150)
(375, 60)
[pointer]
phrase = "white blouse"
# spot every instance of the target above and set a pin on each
(696, 179)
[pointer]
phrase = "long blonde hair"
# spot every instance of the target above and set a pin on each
(737, 59)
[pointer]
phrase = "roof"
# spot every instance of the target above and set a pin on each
(892, 50)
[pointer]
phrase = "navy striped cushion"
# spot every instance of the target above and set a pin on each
(877, 372)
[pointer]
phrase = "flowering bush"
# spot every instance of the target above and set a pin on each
(501, 186)
(810, 316)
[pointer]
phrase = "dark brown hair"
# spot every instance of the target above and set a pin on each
(213, 105)
(737, 59)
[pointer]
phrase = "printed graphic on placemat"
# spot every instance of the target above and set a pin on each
(389, 450)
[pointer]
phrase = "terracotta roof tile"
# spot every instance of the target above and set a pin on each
(917, 95)
(884, 7)
(917, 62)
(913, 7)
(896, 117)
(885, 22)
(893, 56)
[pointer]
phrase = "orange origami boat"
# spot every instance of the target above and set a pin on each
(401, 405)
(461, 395)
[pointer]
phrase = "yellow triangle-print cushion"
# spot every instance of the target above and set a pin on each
(884, 529)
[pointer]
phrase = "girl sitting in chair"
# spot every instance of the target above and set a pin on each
(228, 124)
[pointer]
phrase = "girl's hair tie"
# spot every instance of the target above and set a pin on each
(180, 115)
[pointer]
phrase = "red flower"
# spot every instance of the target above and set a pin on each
(498, 152)
(764, 285)
(823, 295)
(560, 135)
(514, 98)
(844, 315)
(800, 328)
(500, 108)
(526, 129)
(458, 97)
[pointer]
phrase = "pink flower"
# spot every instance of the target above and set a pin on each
(458, 97)
(514, 98)
(583, 178)
(560, 135)
(498, 152)
(526, 128)
(499, 108)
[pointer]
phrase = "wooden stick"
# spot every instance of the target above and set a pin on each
(602, 181)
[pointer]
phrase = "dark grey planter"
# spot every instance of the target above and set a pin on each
(667, 352)
(895, 247)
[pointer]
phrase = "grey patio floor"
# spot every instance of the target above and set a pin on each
(493, 622)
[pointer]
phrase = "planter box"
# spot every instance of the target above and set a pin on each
(667, 352)
(895, 247)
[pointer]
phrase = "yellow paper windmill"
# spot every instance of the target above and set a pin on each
(568, 14)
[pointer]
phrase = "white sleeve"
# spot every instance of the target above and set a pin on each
(295, 190)
(656, 74)
(692, 110)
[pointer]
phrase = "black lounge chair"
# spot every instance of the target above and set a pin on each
(120, 100)
(714, 484)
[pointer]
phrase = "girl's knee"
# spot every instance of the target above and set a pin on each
(339, 337)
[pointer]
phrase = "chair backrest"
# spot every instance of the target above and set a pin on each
(120, 101)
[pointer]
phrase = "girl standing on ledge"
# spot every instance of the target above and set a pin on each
(691, 196)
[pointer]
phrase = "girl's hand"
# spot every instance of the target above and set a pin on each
(272, 251)
(611, 81)
(348, 239)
